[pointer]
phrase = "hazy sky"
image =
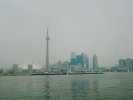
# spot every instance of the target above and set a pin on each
(101, 27)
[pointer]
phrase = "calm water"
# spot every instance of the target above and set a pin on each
(110, 86)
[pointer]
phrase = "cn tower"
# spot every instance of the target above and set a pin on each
(47, 51)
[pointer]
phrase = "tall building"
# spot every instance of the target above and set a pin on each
(122, 62)
(47, 51)
(80, 60)
(95, 62)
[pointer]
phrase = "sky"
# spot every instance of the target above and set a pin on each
(101, 27)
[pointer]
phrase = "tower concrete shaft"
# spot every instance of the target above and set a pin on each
(47, 51)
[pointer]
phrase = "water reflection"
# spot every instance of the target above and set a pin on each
(84, 88)
(95, 87)
(47, 88)
(79, 89)
(76, 87)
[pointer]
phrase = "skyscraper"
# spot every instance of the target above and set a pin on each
(95, 63)
(47, 51)
(80, 60)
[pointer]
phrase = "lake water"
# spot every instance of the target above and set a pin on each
(109, 86)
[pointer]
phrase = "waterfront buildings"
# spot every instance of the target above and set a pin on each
(124, 65)
(79, 62)
(127, 64)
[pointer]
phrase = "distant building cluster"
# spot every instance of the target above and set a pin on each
(25, 69)
(127, 64)
(124, 65)
(79, 62)
(17, 69)
(59, 67)
(76, 63)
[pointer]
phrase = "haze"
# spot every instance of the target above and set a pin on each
(101, 27)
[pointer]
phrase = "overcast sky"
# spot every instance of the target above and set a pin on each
(101, 27)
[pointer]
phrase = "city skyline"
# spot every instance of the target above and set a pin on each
(89, 26)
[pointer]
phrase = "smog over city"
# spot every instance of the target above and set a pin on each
(101, 27)
(66, 50)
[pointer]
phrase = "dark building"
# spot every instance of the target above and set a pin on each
(73, 61)
(80, 60)
(122, 62)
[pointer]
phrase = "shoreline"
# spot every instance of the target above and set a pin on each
(37, 74)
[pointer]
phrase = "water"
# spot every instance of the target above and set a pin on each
(109, 86)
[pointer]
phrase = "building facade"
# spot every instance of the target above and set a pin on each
(122, 62)
(126, 64)
(79, 62)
